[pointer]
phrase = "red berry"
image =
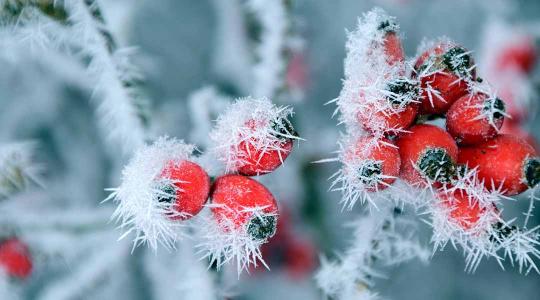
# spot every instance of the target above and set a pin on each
(379, 162)
(236, 197)
(297, 73)
(191, 188)
(393, 48)
(429, 152)
(263, 161)
(519, 56)
(300, 258)
(464, 210)
(256, 160)
(505, 161)
(443, 72)
(391, 42)
(15, 258)
(475, 118)
(402, 94)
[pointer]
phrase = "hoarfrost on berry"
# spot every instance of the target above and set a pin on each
(139, 210)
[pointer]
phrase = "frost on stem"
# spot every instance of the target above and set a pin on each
(17, 171)
(251, 125)
(180, 273)
(223, 240)
(138, 196)
(100, 262)
(361, 176)
(82, 30)
(375, 88)
(381, 237)
(122, 109)
(269, 27)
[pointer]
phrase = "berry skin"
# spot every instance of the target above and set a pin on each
(391, 42)
(15, 258)
(475, 118)
(505, 161)
(236, 197)
(259, 161)
(191, 188)
(402, 94)
(379, 163)
(464, 211)
(428, 152)
(443, 72)
(520, 56)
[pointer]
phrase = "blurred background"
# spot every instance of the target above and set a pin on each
(185, 48)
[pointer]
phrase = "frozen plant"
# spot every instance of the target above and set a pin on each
(391, 156)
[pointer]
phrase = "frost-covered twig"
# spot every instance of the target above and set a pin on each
(122, 110)
(64, 220)
(270, 60)
(255, 45)
(378, 238)
(180, 273)
(80, 26)
(102, 261)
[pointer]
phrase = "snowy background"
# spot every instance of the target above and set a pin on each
(46, 98)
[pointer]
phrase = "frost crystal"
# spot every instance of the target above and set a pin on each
(250, 124)
(139, 209)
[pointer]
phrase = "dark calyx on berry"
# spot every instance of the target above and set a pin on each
(388, 26)
(437, 165)
(404, 91)
(495, 106)
(369, 173)
(168, 194)
(283, 129)
(458, 61)
(532, 171)
(261, 228)
(502, 232)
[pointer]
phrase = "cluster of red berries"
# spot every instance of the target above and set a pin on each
(423, 154)
(15, 258)
(238, 201)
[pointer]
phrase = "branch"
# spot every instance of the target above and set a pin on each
(122, 110)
